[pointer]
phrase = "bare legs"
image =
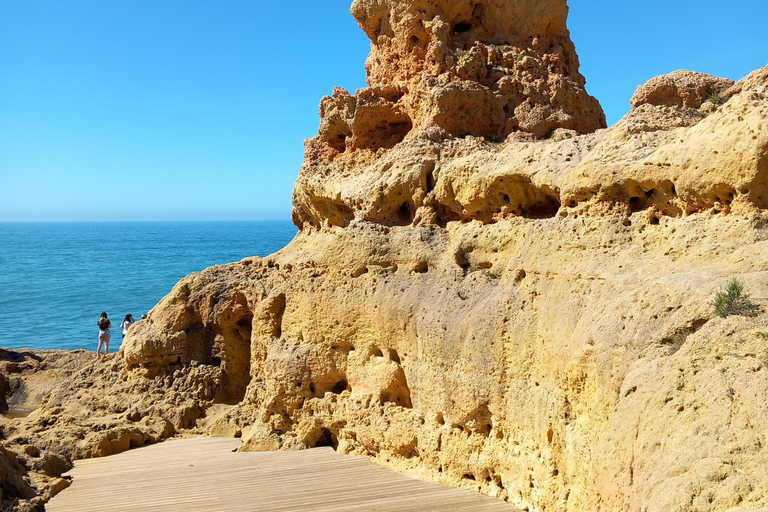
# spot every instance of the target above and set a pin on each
(105, 343)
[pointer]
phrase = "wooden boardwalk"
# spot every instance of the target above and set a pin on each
(205, 474)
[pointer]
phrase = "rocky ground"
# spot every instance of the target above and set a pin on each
(493, 292)
(30, 473)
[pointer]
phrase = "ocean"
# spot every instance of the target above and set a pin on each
(56, 278)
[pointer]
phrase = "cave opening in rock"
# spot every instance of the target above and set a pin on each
(405, 214)
(327, 438)
(339, 387)
(545, 209)
(461, 27)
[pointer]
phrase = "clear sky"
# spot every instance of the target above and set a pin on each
(197, 110)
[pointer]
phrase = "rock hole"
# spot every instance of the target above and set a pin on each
(339, 143)
(312, 388)
(698, 324)
(359, 271)
(550, 435)
(394, 356)
(461, 27)
(430, 182)
(339, 387)
(405, 214)
(421, 267)
(461, 259)
(545, 209)
(468, 476)
(650, 193)
(505, 198)
(654, 220)
(440, 419)
(215, 361)
(326, 438)
(634, 204)
(376, 351)
(413, 42)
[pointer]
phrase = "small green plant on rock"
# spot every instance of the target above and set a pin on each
(493, 139)
(677, 340)
(734, 301)
(716, 99)
(493, 275)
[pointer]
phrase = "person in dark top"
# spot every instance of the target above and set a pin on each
(104, 326)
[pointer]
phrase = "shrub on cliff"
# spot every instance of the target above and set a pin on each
(734, 301)
(716, 98)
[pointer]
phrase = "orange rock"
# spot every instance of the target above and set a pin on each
(466, 68)
(684, 89)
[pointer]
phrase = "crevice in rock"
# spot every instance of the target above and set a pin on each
(340, 387)
(324, 437)
(405, 214)
(430, 178)
(678, 338)
(461, 27)
(275, 309)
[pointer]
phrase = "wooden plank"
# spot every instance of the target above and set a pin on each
(205, 474)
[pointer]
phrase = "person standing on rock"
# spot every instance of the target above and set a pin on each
(127, 322)
(104, 326)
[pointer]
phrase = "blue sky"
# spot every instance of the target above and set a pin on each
(197, 110)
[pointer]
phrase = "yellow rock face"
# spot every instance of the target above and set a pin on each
(445, 69)
(530, 318)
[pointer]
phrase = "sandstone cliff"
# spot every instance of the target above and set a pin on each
(487, 290)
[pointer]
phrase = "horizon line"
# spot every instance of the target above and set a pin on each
(134, 221)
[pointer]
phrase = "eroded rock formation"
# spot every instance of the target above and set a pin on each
(529, 318)
(444, 69)
(29, 472)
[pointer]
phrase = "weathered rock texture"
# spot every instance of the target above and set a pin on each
(469, 67)
(29, 473)
(531, 319)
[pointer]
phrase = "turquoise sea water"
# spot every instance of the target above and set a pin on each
(56, 278)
